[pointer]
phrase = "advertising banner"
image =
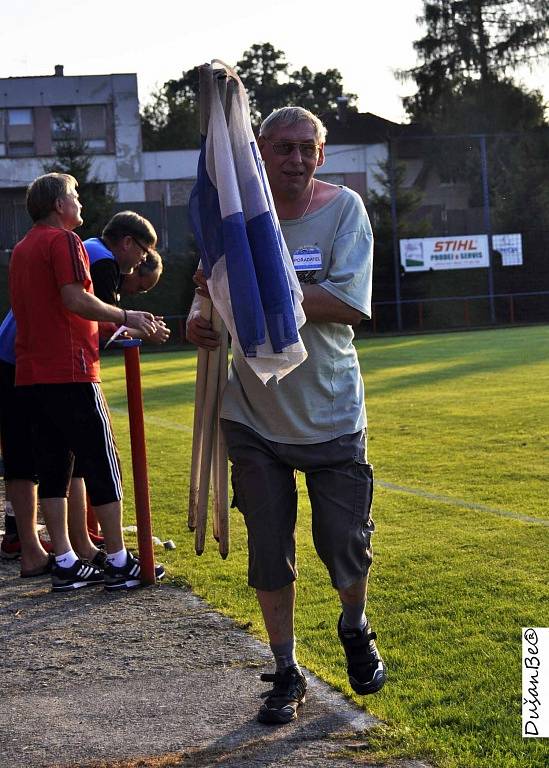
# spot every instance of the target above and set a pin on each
(421, 254)
(510, 248)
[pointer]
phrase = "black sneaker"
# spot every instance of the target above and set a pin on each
(129, 575)
(365, 667)
(100, 559)
(81, 574)
(287, 694)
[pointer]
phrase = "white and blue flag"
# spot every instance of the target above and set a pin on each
(250, 275)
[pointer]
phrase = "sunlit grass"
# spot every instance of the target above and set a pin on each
(459, 415)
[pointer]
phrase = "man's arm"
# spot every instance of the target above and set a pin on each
(76, 299)
(320, 306)
(105, 278)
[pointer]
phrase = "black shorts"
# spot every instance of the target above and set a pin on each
(73, 419)
(16, 431)
(340, 485)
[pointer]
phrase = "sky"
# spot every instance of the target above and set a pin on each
(367, 41)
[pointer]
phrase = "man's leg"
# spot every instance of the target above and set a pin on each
(78, 522)
(353, 602)
(265, 493)
(110, 520)
(34, 558)
(91, 438)
(340, 484)
(69, 571)
(277, 608)
(16, 434)
(55, 516)
(55, 460)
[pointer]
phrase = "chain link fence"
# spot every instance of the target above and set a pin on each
(462, 232)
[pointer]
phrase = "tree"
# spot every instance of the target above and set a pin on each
(72, 156)
(270, 85)
(171, 120)
(467, 57)
(261, 69)
(471, 40)
(519, 182)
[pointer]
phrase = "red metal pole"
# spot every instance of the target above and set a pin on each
(512, 309)
(139, 461)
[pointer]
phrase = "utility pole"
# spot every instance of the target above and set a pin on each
(487, 224)
(394, 225)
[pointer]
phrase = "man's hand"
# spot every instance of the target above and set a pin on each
(141, 321)
(162, 333)
(199, 330)
(201, 284)
(159, 336)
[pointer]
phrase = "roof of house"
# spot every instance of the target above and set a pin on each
(365, 128)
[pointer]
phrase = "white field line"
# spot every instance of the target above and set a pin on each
(461, 503)
(155, 421)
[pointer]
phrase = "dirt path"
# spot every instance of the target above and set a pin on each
(151, 678)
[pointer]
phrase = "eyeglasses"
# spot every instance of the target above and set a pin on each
(287, 147)
(145, 250)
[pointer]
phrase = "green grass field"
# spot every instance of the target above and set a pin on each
(459, 438)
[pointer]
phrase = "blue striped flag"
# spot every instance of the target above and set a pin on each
(250, 274)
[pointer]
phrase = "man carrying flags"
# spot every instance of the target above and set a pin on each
(311, 420)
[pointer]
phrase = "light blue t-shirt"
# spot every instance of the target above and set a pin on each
(323, 398)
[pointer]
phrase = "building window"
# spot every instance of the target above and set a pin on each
(19, 116)
(19, 133)
(85, 124)
(21, 148)
(96, 145)
(64, 123)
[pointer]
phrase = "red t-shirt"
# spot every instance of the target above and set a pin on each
(53, 345)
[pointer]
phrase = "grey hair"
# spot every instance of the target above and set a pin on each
(287, 116)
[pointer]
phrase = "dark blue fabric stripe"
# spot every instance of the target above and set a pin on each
(243, 288)
(276, 297)
(8, 332)
(258, 285)
(205, 216)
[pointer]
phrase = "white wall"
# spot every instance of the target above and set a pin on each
(169, 165)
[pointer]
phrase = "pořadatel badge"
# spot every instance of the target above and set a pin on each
(307, 258)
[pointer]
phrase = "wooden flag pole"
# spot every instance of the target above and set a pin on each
(222, 462)
(198, 423)
(209, 453)
(209, 416)
(205, 87)
(210, 408)
(215, 471)
(222, 497)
